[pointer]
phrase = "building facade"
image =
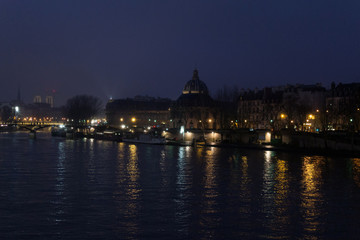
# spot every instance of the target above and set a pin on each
(293, 107)
(139, 112)
(343, 107)
(195, 109)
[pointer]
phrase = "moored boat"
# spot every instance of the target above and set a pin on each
(109, 135)
(145, 138)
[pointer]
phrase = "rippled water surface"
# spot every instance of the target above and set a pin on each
(52, 188)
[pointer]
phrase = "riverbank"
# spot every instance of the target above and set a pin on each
(329, 144)
(288, 148)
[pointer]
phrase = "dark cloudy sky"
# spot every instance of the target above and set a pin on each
(124, 48)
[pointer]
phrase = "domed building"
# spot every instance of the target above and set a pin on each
(194, 109)
(195, 85)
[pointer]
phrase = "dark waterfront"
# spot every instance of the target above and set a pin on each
(52, 188)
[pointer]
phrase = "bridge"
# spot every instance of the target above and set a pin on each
(33, 126)
(37, 123)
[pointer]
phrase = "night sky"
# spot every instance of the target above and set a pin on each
(125, 48)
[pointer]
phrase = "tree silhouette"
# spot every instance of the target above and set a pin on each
(5, 113)
(81, 108)
(226, 105)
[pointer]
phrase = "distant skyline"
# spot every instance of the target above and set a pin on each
(121, 49)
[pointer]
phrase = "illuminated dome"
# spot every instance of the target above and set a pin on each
(195, 93)
(195, 85)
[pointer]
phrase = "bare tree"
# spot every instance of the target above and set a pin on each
(6, 113)
(82, 107)
(227, 99)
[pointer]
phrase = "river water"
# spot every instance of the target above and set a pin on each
(53, 188)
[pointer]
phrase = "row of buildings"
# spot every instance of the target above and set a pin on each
(298, 107)
(194, 109)
(37, 111)
(311, 108)
(302, 107)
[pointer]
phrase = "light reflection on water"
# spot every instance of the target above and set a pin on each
(311, 196)
(183, 185)
(60, 184)
(275, 196)
(209, 210)
(356, 170)
(65, 189)
(245, 180)
(128, 190)
(281, 188)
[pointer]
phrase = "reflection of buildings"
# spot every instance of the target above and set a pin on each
(356, 170)
(311, 194)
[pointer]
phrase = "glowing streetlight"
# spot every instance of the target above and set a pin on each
(182, 131)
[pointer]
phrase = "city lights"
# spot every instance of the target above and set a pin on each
(182, 129)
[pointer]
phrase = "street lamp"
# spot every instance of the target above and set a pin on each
(182, 131)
